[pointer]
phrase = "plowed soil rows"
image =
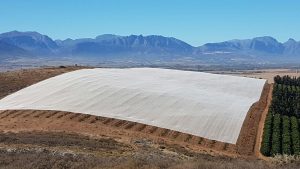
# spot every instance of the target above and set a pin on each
(124, 131)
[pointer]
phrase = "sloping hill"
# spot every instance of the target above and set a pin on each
(8, 51)
(32, 42)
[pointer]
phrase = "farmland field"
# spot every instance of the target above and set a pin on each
(33, 135)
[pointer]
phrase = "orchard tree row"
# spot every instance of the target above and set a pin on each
(281, 135)
(286, 100)
(281, 131)
(287, 80)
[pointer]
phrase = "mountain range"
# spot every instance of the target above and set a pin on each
(17, 44)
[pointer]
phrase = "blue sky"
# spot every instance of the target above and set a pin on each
(194, 21)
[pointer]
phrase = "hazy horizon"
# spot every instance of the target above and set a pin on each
(195, 22)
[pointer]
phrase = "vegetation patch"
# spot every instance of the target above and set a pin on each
(281, 130)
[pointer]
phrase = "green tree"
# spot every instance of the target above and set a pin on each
(295, 135)
(276, 135)
(266, 140)
(286, 136)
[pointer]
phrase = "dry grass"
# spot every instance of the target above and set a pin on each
(63, 151)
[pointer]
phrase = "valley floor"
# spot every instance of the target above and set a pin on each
(262, 73)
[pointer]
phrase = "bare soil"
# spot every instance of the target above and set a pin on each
(124, 131)
(12, 81)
